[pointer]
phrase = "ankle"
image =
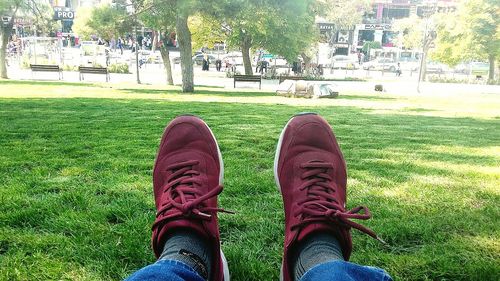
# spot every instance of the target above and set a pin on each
(315, 249)
(191, 249)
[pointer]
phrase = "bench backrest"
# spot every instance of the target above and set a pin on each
(44, 67)
(256, 78)
(97, 70)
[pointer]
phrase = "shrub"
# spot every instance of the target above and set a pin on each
(118, 68)
(438, 79)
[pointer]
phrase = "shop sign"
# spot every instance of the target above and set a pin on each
(374, 27)
(63, 13)
(326, 26)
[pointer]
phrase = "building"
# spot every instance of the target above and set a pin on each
(377, 24)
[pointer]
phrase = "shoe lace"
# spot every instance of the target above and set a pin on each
(185, 196)
(320, 202)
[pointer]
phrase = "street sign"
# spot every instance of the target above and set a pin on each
(63, 13)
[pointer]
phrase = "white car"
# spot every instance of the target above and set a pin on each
(344, 62)
(381, 64)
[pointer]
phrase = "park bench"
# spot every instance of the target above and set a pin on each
(283, 78)
(248, 78)
(93, 70)
(46, 68)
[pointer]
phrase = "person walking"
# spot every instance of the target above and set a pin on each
(310, 173)
(398, 70)
(120, 45)
(206, 63)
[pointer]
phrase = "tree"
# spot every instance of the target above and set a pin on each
(343, 14)
(417, 33)
(280, 27)
(475, 34)
(10, 9)
(80, 24)
(162, 19)
(105, 21)
(206, 31)
(182, 10)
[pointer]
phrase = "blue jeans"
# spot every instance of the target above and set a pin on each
(169, 270)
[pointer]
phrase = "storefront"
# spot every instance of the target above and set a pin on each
(381, 33)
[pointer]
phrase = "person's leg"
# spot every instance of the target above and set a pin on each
(344, 271)
(310, 172)
(166, 270)
(187, 177)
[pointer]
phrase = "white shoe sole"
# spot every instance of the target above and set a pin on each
(225, 267)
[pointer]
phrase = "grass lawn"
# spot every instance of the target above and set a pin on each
(76, 194)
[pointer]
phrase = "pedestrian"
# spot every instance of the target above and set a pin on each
(120, 45)
(310, 173)
(398, 70)
(106, 51)
(218, 64)
(206, 62)
(263, 66)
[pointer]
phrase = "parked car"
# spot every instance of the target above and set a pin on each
(436, 68)
(344, 62)
(385, 64)
(197, 59)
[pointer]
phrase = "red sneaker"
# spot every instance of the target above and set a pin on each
(187, 178)
(310, 172)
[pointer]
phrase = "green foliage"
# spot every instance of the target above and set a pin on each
(206, 30)
(471, 33)
(104, 21)
(343, 13)
(81, 23)
(118, 68)
(410, 31)
(282, 28)
(470, 80)
(370, 45)
(76, 187)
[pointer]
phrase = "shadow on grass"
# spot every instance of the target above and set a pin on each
(47, 83)
(363, 97)
(199, 92)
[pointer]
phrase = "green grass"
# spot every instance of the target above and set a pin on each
(76, 192)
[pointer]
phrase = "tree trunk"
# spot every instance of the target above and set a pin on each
(491, 75)
(424, 64)
(307, 63)
(165, 55)
(5, 31)
(184, 39)
(245, 50)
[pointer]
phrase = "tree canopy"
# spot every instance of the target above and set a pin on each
(471, 33)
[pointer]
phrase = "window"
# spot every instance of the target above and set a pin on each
(396, 12)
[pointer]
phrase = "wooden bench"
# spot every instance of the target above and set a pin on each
(46, 68)
(248, 78)
(283, 78)
(93, 70)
